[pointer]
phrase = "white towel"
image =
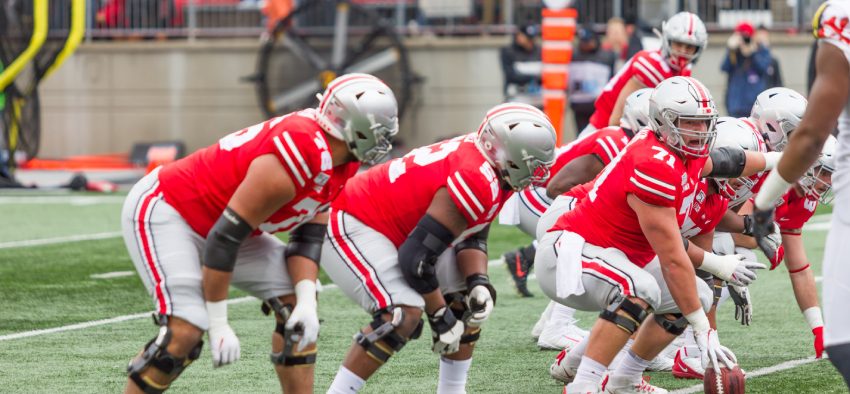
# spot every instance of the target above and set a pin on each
(568, 270)
(509, 215)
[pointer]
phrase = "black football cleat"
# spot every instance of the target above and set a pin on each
(519, 263)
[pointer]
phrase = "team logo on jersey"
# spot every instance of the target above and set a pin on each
(321, 180)
(685, 181)
(810, 205)
(701, 197)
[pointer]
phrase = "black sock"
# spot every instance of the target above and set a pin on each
(839, 356)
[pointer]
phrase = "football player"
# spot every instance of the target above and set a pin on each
(411, 235)
(202, 223)
(594, 256)
(683, 39)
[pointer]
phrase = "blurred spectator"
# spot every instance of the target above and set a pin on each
(521, 67)
(774, 74)
(634, 42)
(747, 63)
(616, 38)
(590, 70)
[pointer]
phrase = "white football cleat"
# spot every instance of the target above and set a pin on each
(582, 388)
(615, 385)
(558, 336)
(660, 363)
(687, 363)
(541, 322)
(559, 369)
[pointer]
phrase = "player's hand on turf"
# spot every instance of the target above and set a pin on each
(712, 353)
(743, 304)
(446, 331)
(224, 344)
(304, 320)
(818, 332)
(731, 268)
(480, 302)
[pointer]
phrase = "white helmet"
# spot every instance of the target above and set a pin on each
(686, 28)
(777, 112)
(737, 133)
(362, 111)
(519, 141)
(683, 98)
(636, 110)
(812, 181)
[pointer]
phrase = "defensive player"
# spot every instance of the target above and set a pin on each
(683, 39)
(829, 96)
(593, 258)
(411, 234)
(197, 225)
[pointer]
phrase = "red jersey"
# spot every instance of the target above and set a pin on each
(794, 211)
(648, 169)
(200, 185)
(706, 211)
(391, 198)
(605, 143)
(649, 67)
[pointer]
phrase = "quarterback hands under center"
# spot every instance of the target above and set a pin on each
(223, 341)
(731, 268)
(446, 331)
(304, 319)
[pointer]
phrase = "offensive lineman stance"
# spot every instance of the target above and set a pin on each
(197, 225)
(411, 234)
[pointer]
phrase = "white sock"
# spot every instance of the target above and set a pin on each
(576, 354)
(621, 354)
(631, 367)
(562, 314)
(453, 376)
(690, 340)
(346, 382)
(590, 371)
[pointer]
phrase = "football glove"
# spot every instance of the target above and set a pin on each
(223, 341)
(731, 268)
(304, 319)
(772, 243)
(763, 227)
(818, 333)
(712, 353)
(446, 331)
(743, 304)
(480, 300)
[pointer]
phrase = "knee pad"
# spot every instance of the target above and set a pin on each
(633, 314)
(675, 327)
(384, 341)
(288, 357)
(471, 337)
(156, 356)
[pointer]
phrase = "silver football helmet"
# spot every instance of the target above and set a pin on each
(777, 112)
(680, 99)
(686, 28)
(817, 183)
(636, 110)
(519, 141)
(737, 133)
(362, 111)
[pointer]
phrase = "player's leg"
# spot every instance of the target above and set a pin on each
(261, 271)
(364, 264)
(836, 286)
(532, 203)
(165, 252)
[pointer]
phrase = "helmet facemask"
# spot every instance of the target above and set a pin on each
(371, 138)
(680, 59)
(817, 183)
(688, 142)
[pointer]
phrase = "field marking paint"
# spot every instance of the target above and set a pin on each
(59, 240)
(110, 275)
(754, 374)
(102, 322)
(819, 279)
(64, 200)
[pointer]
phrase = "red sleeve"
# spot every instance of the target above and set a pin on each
(654, 182)
(303, 156)
(474, 192)
(608, 144)
(646, 69)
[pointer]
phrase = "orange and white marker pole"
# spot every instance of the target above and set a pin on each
(558, 29)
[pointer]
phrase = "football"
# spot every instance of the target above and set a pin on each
(729, 382)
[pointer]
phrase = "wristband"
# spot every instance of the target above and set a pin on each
(698, 320)
(813, 317)
(305, 292)
(217, 312)
(771, 159)
(711, 263)
(772, 189)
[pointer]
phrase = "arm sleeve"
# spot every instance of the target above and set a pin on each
(300, 155)
(472, 193)
(654, 183)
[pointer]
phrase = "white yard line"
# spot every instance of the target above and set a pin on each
(59, 240)
(754, 374)
(110, 275)
(118, 319)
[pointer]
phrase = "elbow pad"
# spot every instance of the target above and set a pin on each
(224, 239)
(306, 240)
(476, 241)
(418, 255)
(727, 162)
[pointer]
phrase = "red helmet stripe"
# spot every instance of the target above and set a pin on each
(690, 24)
(703, 97)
